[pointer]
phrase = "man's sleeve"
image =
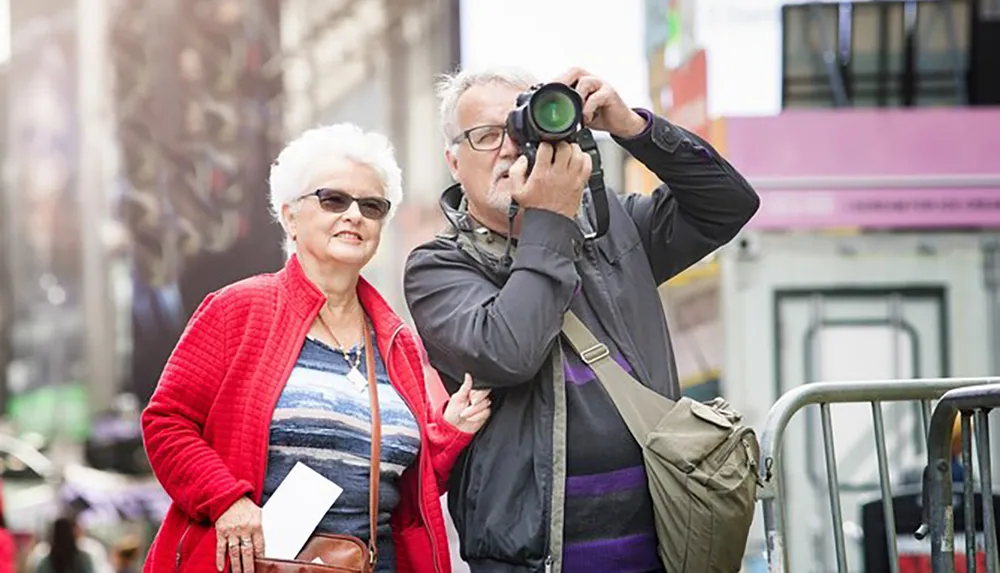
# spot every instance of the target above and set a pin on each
(702, 206)
(501, 336)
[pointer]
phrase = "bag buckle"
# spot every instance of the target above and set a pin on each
(594, 353)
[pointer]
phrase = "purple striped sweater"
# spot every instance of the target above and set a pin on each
(609, 514)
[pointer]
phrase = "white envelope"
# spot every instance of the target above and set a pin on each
(292, 513)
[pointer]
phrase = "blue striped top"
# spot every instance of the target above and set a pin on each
(323, 420)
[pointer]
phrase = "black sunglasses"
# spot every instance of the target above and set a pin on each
(337, 201)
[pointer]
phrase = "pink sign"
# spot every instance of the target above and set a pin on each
(913, 168)
(879, 208)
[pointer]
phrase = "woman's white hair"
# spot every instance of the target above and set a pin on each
(450, 87)
(306, 156)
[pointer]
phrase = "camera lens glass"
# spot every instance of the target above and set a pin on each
(553, 110)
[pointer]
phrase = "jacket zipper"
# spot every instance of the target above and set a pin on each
(180, 549)
(420, 481)
(557, 469)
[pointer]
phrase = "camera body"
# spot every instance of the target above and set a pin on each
(551, 112)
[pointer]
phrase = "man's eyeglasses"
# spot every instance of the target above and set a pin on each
(337, 201)
(484, 137)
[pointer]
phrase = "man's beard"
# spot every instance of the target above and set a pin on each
(496, 198)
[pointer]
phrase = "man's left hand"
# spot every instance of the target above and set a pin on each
(603, 108)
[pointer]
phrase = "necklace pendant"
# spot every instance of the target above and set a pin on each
(358, 379)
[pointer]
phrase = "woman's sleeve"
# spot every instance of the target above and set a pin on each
(8, 552)
(446, 442)
(187, 467)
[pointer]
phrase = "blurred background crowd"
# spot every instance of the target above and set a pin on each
(137, 134)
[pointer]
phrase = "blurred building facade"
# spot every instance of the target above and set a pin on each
(43, 225)
(874, 254)
(678, 88)
(142, 135)
(375, 65)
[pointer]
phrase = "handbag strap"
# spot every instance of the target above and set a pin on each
(638, 405)
(376, 454)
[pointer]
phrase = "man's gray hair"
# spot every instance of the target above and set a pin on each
(450, 87)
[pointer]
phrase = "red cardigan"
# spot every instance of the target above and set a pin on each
(207, 426)
(8, 552)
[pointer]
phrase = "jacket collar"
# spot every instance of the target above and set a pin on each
(306, 298)
(455, 206)
(384, 319)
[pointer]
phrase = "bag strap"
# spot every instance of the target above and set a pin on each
(376, 453)
(638, 405)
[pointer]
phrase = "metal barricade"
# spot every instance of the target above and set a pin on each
(824, 394)
(974, 402)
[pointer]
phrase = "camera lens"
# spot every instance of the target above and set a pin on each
(553, 110)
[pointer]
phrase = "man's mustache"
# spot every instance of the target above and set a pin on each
(502, 169)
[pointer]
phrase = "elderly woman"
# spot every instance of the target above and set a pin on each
(274, 370)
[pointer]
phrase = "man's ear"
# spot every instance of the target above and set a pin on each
(452, 160)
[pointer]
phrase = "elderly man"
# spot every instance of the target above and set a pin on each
(555, 481)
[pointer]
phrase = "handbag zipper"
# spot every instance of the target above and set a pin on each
(737, 440)
(420, 481)
(752, 462)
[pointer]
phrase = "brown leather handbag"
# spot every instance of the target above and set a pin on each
(342, 553)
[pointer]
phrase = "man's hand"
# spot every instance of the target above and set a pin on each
(468, 409)
(238, 532)
(556, 181)
(603, 108)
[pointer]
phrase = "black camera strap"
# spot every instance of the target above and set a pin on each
(598, 193)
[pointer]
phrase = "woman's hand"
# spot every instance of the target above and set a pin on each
(468, 409)
(238, 532)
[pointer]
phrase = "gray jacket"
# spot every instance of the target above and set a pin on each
(501, 325)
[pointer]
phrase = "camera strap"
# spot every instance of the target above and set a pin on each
(598, 193)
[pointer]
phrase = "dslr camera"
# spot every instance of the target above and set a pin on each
(551, 112)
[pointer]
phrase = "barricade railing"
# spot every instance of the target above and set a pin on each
(972, 402)
(823, 394)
